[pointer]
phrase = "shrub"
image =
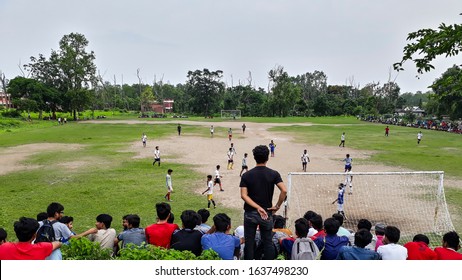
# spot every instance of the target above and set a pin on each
(84, 249)
(150, 252)
(11, 114)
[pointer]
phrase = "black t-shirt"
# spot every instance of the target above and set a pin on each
(260, 182)
(187, 240)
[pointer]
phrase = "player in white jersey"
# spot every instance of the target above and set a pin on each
(218, 178)
(209, 192)
(347, 161)
(305, 159)
(244, 165)
(144, 138)
(168, 184)
(349, 181)
(212, 130)
(156, 156)
(230, 158)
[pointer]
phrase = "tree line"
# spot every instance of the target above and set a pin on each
(68, 81)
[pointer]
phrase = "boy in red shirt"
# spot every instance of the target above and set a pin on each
(418, 249)
(160, 233)
(451, 243)
(26, 229)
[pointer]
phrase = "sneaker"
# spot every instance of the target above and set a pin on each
(222, 190)
(170, 200)
(214, 207)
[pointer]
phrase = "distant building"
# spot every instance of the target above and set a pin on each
(5, 99)
(165, 107)
(415, 110)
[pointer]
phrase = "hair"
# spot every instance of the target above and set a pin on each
(171, 218)
(260, 154)
(25, 228)
(3, 235)
(362, 238)
(163, 210)
(309, 214)
(221, 222)
(364, 223)
(157, 147)
(347, 155)
(66, 219)
(338, 217)
(452, 240)
(209, 177)
(301, 227)
(169, 171)
(134, 220)
(42, 216)
(245, 154)
(218, 166)
(54, 208)
(421, 238)
(106, 219)
(331, 226)
(392, 234)
(189, 219)
(279, 221)
(205, 214)
(316, 222)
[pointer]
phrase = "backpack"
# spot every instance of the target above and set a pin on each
(46, 233)
(304, 249)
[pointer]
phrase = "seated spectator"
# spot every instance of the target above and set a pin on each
(330, 245)
(341, 230)
(308, 215)
(390, 250)
(3, 236)
(203, 227)
(418, 249)
(279, 225)
(239, 233)
(218, 238)
(379, 229)
(451, 243)
(171, 218)
(69, 222)
(301, 232)
(103, 233)
(42, 216)
(26, 229)
(365, 224)
(316, 223)
(188, 239)
(160, 233)
(133, 234)
(358, 252)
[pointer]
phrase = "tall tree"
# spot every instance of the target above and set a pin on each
(205, 90)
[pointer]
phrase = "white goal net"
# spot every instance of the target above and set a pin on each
(412, 201)
(231, 114)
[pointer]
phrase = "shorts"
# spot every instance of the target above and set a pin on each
(230, 161)
(156, 159)
(340, 207)
(348, 167)
(217, 181)
(209, 196)
(244, 167)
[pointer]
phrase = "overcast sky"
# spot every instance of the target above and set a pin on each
(346, 39)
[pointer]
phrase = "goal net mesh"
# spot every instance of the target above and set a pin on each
(231, 114)
(412, 201)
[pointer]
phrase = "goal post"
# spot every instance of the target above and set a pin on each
(231, 114)
(412, 201)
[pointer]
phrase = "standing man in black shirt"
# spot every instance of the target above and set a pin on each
(257, 189)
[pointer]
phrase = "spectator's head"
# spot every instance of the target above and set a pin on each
(103, 221)
(171, 218)
(68, 221)
(364, 223)
(316, 222)
(260, 154)
(309, 214)
(379, 228)
(338, 217)
(301, 227)
(3, 235)
(55, 210)
(331, 226)
(451, 240)
(392, 235)
(362, 238)
(205, 214)
(42, 216)
(189, 218)
(279, 221)
(25, 229)
(125, 222)
(163, 210)
(133, 221)
(222, 222)
(421, 238)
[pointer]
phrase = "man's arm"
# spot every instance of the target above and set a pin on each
(282, 196)
(56, 244)
(245, 196)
